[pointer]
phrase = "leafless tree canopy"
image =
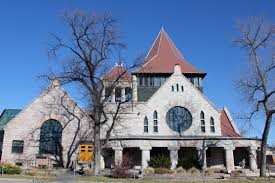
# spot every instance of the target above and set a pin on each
(258, 86)
(90, 51)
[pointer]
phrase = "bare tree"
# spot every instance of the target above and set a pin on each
(74, 123)
(90, 51)
(258, 85)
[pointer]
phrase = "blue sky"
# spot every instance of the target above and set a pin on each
(202, 31)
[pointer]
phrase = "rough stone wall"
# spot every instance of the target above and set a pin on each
(26, 125)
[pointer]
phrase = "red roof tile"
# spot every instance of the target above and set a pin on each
(163, 56)
(118, 72)
(226, 126)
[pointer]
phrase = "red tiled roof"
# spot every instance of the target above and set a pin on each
(118, 72)
(163, 56)
(226, 126)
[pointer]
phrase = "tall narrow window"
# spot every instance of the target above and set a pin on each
(128, 94)
(177, 87)
(146, 125)
(182, 88)
(155, 121)
(172, 88)
(17, 146)
(202, 122)
(212, 125)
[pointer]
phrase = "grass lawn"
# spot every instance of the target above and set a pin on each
(105, 179)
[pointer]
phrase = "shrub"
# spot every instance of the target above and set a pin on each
(160, 161)
(236, 173)
(163, 171)
(149, 171)
(194, 171)
(188, 163)
(10, 169)
(122, 169)
(180, 170)
(209, 171)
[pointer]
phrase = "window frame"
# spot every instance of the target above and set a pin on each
(202, 118)
(212, 125)
(155, 122)
(145, 125)
(17, 148)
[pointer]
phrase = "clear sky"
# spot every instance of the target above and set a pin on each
(202, 31)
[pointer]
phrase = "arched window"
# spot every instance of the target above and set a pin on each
(212, 125)
(145, 125)
(155, 121)
(177, 87)
(172, 88)
(50, 138)
(202, 122)
(182, 88)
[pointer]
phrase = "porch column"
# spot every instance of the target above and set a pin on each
(113, 96)
(253, 158)
(229, 158)
(134, 90)
(202, 156)
(123, 94)
(118, 155)
(145, 156)
(174, 156)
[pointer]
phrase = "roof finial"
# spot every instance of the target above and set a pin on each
(162, 29)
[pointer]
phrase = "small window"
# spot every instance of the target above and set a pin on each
(182, 88)
(151, 81)
(177, 87)
(155, 121)
(202, 122)
(140, 79)
(212, 125)
(146, 81)
(172, 88)
(146, 125)
(17, 146)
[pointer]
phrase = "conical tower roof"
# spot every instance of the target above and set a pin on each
(163, 56)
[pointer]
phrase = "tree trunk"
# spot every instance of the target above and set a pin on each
(97, 150)
(264, 145)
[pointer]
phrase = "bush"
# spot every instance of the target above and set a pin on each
(163, 171)
(209, 171)
(122, 169)
(237, 173)
(194, 171)
(180, 170)
(149, 171)
(9, 169)
(188, 163)
(160, 161)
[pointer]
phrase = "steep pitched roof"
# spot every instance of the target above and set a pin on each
(163, 56)
(118, 72)
(7, 115)
(227, 127)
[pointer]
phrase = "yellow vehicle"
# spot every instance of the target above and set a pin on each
(86, 153)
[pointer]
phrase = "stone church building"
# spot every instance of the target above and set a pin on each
(167, 113)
